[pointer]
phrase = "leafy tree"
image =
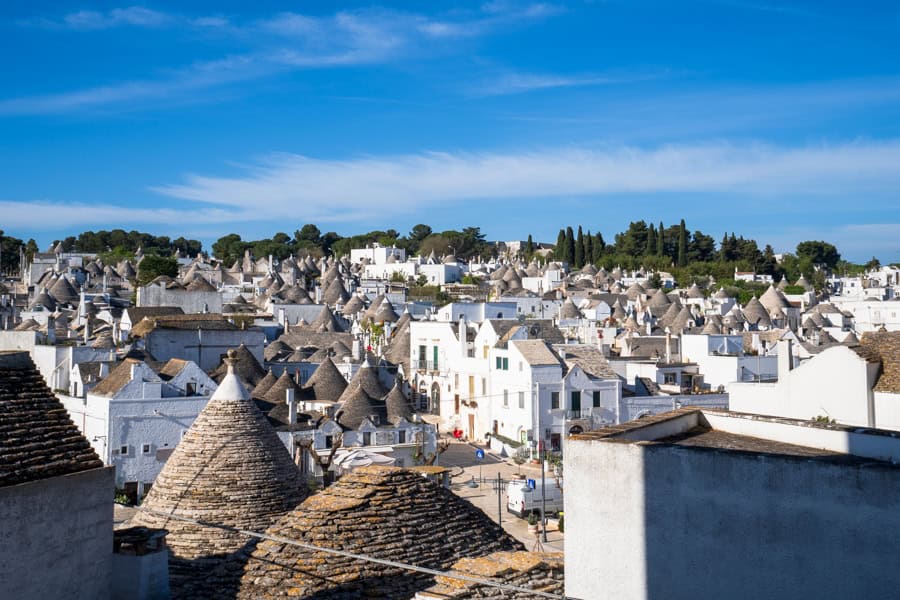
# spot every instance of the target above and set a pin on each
(702, 247)
(873, 265)
(229, 248)
(819, 252)
(153, 266)
(633, 241)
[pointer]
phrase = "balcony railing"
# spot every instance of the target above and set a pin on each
(584, 413)
(425, 365)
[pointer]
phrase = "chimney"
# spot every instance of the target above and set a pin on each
(463, 345)
(785, 358)
(355, 349)
(668, 346)
(104, 370)
(51, 330)
(292, 406)
(139, 555)
(281, 318)
(87, 330)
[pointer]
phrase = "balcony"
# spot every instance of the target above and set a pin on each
(425, 365)
(584, 413)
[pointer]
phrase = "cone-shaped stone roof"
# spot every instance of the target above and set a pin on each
(694, 291)
(391, 513)
(659, 299)
(755, 313)
(367, 377)
(397, 404)
(246, 367)
(774, 300)
(63, 291)
(230, 468)
(335, 292)
(38, 439)
(353, 306)
(326, 383)
(357, 405)
(276, 393)
(325, 321)
(386, 313)
(264, 385)
(568, 310)
(277, 349)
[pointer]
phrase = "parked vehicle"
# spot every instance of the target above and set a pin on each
(522, 500)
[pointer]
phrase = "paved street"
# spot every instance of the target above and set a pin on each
(484, 497)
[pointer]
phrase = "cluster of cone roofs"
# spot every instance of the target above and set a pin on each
(232, 474)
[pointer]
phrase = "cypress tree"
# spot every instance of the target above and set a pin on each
(569, 256)
(529, 248)
(651, 241)
(588, 248)
(682, 245)
(579, 249)
(660, 240)
(560, 249)
(599, 247)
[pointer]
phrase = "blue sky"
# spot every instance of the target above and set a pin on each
(778, 120)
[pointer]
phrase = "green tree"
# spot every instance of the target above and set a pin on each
(570, 246)
(153, 266)
(819, 252)
(873, 265)
(702, 247)
(682, 245)
(579, 249)
(651, 241)
(661, 240)
(599, 247)
(559, 251)
(588, 247)
(529, 248)
(229, 248)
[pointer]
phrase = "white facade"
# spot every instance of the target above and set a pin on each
(721, 359)
(138, 427)
(836, 383)
(377, 254)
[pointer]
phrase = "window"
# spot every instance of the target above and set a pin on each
(190, 389)
(499, 363)
(456, 380)
(329, 441)
(423, 356)
(671, 378)
(505, 398)
(554, 400)
(505, 364)
(401, 436)
(123, 450)
(487, 349)
(145, 449)
(435, 354)
(596, 399)
(521, 399)
(367, 438)
(576, 401)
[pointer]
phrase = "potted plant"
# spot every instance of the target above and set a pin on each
(532, 523)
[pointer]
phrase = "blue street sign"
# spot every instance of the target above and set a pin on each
(479, 454)
(532, 484)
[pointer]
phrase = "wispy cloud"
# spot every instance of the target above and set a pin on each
(177, 84)
(286, 41)
(357, 188)
(753, 183)
(132, 16)
(520, 83)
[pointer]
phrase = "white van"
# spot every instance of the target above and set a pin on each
(522, 500)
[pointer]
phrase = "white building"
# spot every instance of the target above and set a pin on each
(135, 417)
(722, 360)
(852, 385)
(712, 504)
(377, 254)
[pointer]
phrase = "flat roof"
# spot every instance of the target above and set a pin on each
(723, 430)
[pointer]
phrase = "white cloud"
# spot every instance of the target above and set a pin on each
(285, 41)
(349, 189)
(519, 83)
(178, 84)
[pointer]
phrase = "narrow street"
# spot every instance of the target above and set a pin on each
(462, 455)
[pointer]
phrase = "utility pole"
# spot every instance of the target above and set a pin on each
(543, 497)
(499, 487)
